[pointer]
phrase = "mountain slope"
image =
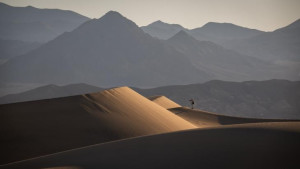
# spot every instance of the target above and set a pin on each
(220, 63)
(110, 51)
(33, 24)
(279, 45)
(36, 128)
(12, 48)
(221, 33)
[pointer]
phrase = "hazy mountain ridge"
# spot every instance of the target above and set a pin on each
(219, 33)
(88, 55)
(281, 44)
(114, 51)
(12, 48)
(220, 63)
(33, 24)
(162, 30)
(48, 92)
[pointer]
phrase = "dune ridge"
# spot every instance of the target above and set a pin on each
(137, 112)
(35, 128)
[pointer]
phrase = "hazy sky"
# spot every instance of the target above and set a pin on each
(265, 15)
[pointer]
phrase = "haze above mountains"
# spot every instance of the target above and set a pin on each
(114, 51)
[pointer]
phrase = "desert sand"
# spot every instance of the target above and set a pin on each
(202, 118)
(32, 129)
(163, 101)
(256, 145)
(119, 128)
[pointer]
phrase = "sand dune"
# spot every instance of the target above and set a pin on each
(164, 102)
(206, 119)
(255, 145)
(36, 128)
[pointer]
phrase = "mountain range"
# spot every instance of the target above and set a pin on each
(279, 45)
(219, 33)
(110, 51)
(218, 62)
(113, 51)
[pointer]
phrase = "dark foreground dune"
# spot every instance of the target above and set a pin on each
(36, 128)
(256, 145)
(206, 119)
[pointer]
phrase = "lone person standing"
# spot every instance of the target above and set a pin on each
(192, 103)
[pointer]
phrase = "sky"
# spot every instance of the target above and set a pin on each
(266, 15)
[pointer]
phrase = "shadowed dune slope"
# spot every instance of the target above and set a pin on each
(202, 118)
(164, 102)
(255, 145)
(36, 128)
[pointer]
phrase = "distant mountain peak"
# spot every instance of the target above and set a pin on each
(30, 7)
(161, 23)
(217, 24)
(182, 35)
(113, 14)
(158, 22)
(115, 17)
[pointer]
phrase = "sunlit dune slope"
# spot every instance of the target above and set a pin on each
(206, 119)
(255, 145)
(35, 128)
(164, 102)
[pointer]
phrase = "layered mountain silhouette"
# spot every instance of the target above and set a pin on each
(109, 51)
(219, 62)
(162, 30)
(33, 24)
(12, 48)
(113, 51)
(279, 45)
(48, 92)
(219, 33)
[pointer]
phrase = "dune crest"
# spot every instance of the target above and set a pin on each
(129, 113)
(164, 102)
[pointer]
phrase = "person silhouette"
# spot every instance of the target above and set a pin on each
(192, 103)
